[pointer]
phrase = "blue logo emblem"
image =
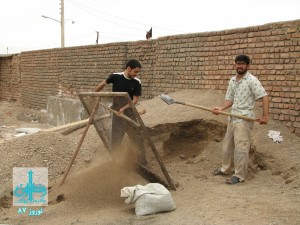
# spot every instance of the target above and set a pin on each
(30, 186)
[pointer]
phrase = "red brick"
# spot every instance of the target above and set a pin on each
(296, 124)
(275, 116)
(276, 100)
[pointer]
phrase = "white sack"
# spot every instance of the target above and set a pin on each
(149, 199)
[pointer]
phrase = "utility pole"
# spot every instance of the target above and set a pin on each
(62, 23)
(97, 37)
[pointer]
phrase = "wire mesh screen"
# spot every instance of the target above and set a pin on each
(115, 128)
(102, 118)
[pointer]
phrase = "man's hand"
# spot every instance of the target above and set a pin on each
(216, 110)
(263, 120)
(121, 111)
(226, 105)
(142, 111)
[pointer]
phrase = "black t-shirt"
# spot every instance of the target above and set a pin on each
(122, 84)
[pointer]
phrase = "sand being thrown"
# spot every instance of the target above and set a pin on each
(95, 178)
(100, 185)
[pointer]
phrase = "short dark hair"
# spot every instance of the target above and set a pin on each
(133, 63)
(243, 58)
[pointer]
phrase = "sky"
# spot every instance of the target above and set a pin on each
(22, 27)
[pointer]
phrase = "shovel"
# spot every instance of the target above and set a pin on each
(167, 99)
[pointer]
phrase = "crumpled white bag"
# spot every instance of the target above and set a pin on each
(149, 199)
(275, 135)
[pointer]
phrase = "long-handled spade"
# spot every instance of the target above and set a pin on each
(167, 99)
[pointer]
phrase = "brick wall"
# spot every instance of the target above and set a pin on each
(191, 61)
(67, 72)
(10, 78)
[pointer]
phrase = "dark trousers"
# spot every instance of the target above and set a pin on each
(121, 126)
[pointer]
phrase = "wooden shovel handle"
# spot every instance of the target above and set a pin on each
(221, 112)
(121, 115)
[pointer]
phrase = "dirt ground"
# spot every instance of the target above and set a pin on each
(189, 141)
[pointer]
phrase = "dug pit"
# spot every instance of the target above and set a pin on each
(195, 139)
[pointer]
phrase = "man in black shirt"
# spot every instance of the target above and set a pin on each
(125, 81)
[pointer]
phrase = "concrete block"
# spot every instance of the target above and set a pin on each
(64, 110)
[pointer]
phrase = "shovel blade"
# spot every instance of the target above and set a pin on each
(167, 99)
